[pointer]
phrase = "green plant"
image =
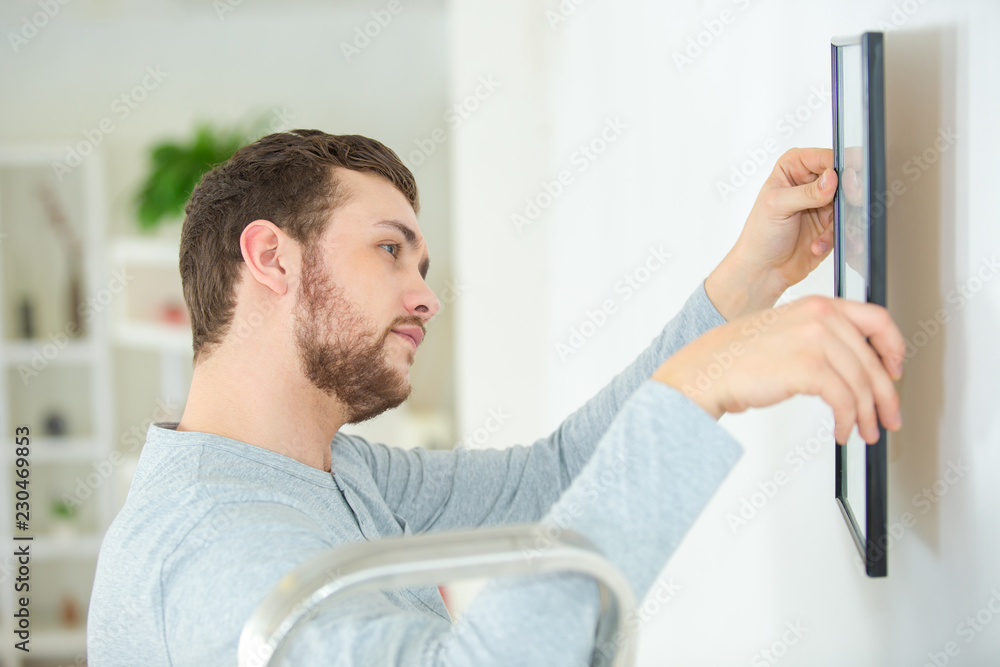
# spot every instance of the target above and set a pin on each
(177, 166)
(63, 510)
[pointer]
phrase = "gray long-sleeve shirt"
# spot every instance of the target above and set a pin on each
(210, 525)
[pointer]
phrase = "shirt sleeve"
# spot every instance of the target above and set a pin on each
(465, 488)
(652, 473)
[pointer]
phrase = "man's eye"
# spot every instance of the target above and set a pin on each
(391, 245)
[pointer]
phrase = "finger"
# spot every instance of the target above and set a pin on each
(830, 386)
(788, 201)
(823, 244)
(846, 363)
(880, 384)
(874, 323)
(823, 328)
(821, 223)
(803, 165)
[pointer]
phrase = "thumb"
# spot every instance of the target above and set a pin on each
(818, 193)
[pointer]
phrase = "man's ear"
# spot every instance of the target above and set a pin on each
(270, 255)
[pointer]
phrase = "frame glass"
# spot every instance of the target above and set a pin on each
(859, 264)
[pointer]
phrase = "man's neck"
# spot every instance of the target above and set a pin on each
(254, 399)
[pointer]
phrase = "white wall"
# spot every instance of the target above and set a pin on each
(685, 128)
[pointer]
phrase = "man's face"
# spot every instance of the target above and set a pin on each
(362, 287)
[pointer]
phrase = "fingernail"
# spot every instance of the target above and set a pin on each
(899, 369)
(822, 181)
(823, 246)
(898, 419)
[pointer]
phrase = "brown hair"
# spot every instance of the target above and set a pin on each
(287, 178)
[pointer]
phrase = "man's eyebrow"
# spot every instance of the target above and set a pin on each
(411, 240)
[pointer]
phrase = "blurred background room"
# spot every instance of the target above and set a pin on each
(569, 153)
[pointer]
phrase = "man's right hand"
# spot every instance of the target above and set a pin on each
(815, 345)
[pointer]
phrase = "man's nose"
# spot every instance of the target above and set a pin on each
(423, 301)
(429, 304)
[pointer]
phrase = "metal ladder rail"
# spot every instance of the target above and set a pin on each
(431, 558)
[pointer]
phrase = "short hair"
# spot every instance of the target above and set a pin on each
(288, 178)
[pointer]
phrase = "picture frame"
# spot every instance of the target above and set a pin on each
(858, 97)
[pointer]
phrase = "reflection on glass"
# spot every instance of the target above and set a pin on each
(855, 478)
(852, 197)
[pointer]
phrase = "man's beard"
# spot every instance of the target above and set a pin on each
(339, 352)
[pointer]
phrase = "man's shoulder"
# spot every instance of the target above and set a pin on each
(193, 497)
(208, 527)
(195, 573)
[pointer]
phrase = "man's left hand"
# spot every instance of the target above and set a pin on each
(788, 233)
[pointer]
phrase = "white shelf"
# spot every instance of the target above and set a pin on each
(47, 351)
(30, 154)
(59, 547)
(150, 336)
(155, 251)
(57, 450)
(54, 643)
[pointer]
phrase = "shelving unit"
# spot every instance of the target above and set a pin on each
(151, 264)
(50, 372)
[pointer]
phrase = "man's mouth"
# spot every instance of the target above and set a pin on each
(414, 334)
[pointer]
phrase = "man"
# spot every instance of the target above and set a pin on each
(303, 269)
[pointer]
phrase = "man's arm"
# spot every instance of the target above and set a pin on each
(788, 233)
(451, 490)
(667, 457)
